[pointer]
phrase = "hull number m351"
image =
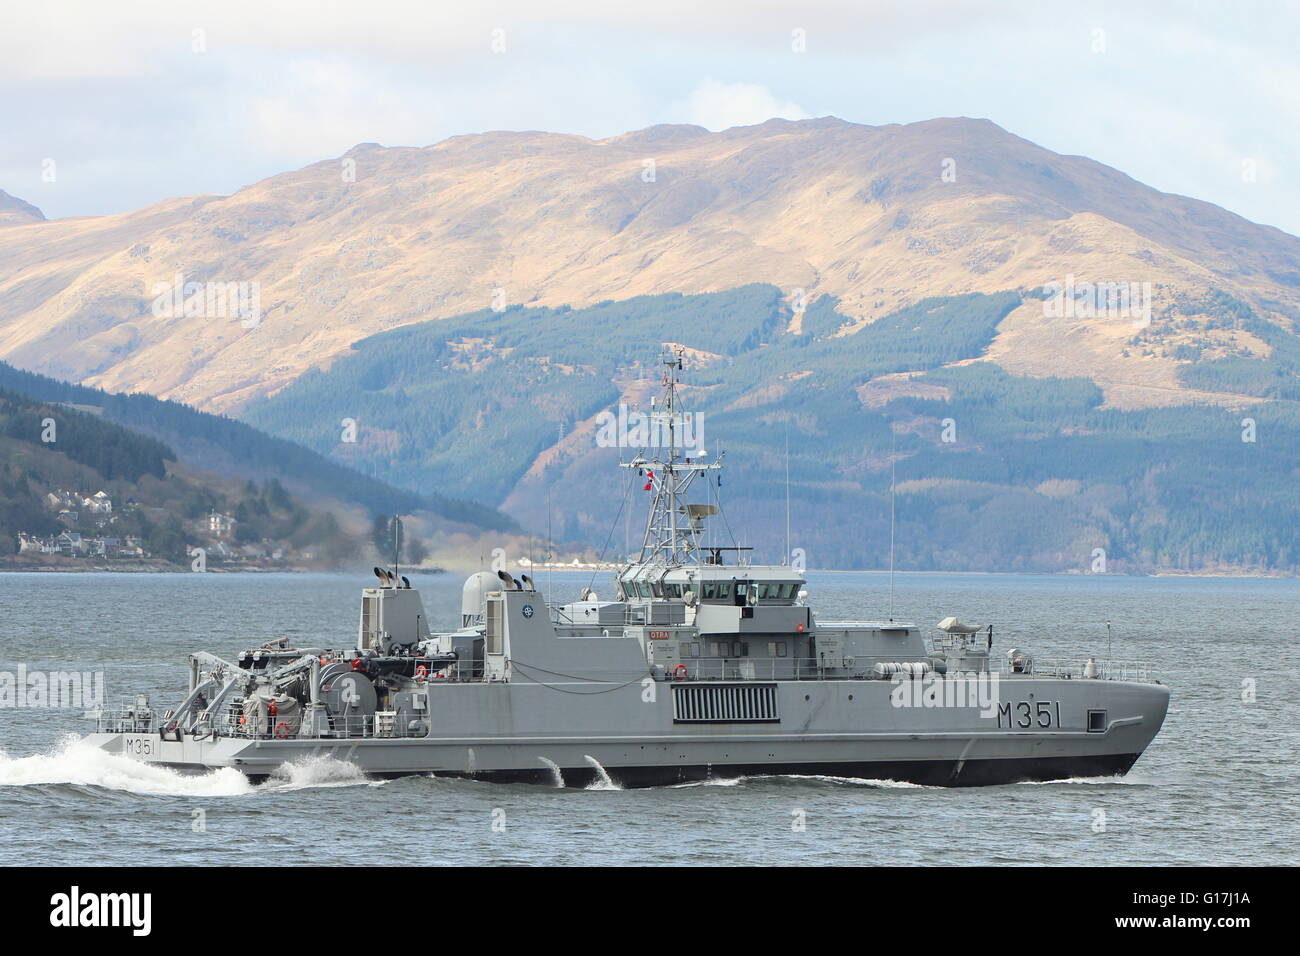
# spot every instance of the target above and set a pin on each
(1026, 714)
(141, 746)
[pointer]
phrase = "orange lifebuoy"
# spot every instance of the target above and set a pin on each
(282, 730)
(421, 672)
(680, 672)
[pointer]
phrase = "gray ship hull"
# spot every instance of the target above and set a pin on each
(848, 728)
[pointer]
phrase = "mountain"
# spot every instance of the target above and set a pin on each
(222, 445)
(877, 217)
(15, 212)
(994, 471)
(1061, 362)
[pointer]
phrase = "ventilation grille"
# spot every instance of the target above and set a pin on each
(724, 703)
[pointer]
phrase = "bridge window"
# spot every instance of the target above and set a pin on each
(775, 590)
(715, 590)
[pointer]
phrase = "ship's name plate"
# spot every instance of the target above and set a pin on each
(660, 635)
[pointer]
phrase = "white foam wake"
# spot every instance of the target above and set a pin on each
(320, 771)
(880, 784)
(78, 763)
(1115, 779)
(708, 782)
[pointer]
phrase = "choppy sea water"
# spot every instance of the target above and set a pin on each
(1219, 785)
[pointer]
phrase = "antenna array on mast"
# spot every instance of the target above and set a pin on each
(673, 527)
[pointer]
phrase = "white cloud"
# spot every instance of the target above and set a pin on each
(319, 108)
(716, 105)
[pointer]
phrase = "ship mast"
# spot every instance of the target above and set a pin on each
(672, 528)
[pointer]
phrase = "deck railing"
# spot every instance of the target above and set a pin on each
(1077, 668)
(124, 720)
(379, 725)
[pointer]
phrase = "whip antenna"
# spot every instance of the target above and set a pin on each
(893, 448)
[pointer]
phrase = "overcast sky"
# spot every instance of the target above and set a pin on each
(133, 105)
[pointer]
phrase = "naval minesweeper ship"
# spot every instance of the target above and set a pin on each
(701, 665)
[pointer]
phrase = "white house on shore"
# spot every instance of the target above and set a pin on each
(71, 543)
(98, 504)
(221, 526)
